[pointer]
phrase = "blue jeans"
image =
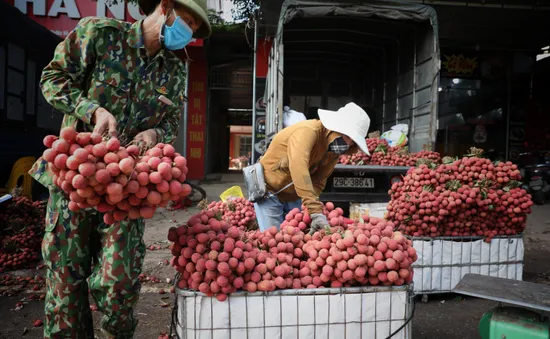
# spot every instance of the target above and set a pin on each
(271, 211)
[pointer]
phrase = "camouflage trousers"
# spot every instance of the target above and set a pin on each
(82, 256)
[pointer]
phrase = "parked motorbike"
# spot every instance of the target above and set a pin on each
(197, 195)
(535, 170)
(536, 182)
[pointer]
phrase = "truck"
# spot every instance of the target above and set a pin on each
(383, 55)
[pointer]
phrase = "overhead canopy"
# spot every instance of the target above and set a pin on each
(381, 9)
(346, 42)
(519, 25)
(359, 36)
(380, 54)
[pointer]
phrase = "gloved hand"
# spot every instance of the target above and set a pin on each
(318, 221)
(148, 137)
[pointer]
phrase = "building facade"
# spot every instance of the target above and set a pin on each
(21, 102)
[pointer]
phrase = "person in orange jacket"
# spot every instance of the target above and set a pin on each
(305, 155)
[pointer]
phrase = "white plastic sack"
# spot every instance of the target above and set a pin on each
(362, 313)
(403, 128)
(441, 264)
(290, 117)
(395, 138)
(375, 209)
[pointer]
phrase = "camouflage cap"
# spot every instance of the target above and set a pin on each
(197, 7)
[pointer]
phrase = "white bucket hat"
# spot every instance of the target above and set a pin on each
(350, 120)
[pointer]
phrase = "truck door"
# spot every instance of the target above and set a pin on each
(274, 90)
(423, 117)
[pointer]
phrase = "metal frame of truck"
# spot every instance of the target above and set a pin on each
(406, 87)
(381, 176)
(402, 81)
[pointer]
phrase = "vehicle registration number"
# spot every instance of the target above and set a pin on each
(353, 182)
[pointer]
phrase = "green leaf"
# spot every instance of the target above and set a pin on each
(453, 185)
(484, 194)
(513, 184)
(448, 160)
(244, 9)
(474, 152)
(428, 188)
(381, 148)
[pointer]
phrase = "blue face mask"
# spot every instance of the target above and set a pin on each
(177, 36)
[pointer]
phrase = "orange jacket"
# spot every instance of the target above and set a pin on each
(292, 153)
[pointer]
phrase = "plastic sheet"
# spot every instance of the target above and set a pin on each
(366, 312)
(442, 262)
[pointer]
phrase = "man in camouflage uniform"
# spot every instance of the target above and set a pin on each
(108, 76)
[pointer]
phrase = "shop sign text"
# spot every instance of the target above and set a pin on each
(459, 65)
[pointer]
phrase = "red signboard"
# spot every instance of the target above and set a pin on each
(196, 114)
(262, 57)
(61, 16)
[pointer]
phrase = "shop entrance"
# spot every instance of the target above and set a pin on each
(240, 146)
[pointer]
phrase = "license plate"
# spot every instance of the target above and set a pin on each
(353, 182)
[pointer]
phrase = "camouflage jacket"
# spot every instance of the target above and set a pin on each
(103, 63)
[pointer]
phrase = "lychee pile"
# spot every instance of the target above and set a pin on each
(115, 180)
(216, 258)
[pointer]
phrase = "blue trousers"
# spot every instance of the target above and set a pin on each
(271, 211)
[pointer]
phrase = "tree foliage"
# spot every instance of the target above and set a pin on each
(116, 2)
(244, 9)
(215, 18)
